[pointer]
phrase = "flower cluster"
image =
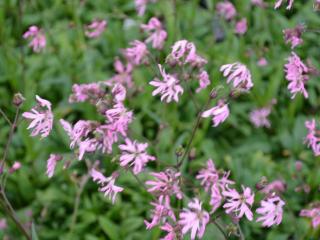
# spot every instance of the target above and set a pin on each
(96, 28)
(38, 39)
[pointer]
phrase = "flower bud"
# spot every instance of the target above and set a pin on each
(18, 99)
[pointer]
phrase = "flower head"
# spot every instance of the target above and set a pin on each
(271, 211)
(41, 118)
(141, 5)
(227, 10)
(218, 113)
(38, 39)
(239, 204)
(137, 53)
(157, 35)
(312, 139)
(241, 27)
(124, 74)
(314, 214)
(96, 28)
(91, 92)
(296, 74)
(259, 117)
(134, 153)
(107, 185)
(204, 80)
(166, 184)
(169, 88)
(194, 219)
(238, 74)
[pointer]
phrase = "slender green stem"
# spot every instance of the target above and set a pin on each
(240, 232)
(12, 129)
(215, 222)
(194, 130)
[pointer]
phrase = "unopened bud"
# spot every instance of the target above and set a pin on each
(213, 94)
(179, 151)
(192, 154)
(18, 99)
(298, 165)
(15, 167)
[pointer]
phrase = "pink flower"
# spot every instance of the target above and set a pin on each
(312, 140)
(86, 92)
(88, 145)
(156, 33)
(194, 219)
(314, 214)
(204, 80)
(96, 28)
(119, 119)
(41, 118)
(208, 175)
(241, 27)
(169, 88)
(259, 3)
(279, 3)
(226, 10)
(141, 5)
(162, 210)
(239, 74)
(134, 153)
(184, 52)
(296, 74)
(293, 36)
(38, 39)
(239, 204)
(137, 53)
(79, 131)
(215, 198)
(276, 186)
(259, 117)
(51, 164)
(262, 62)
(106, 184)
(119, 93)
(3, 224)
(271, 211)
(170, 230)
(166, 184)
(16, 166)
(218, 113)
(124, 74)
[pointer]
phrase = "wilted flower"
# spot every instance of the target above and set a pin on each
(314, 214)
(239, 204)
(296, 74)
(226, 10)
(96, 28)
(194, 219)
(169, 88)
(137, 53)
(38, 39)
(293, 36)
(241, 27)
(279, 3)
(238, 74)
(259, 117)
(41, 118)
(51, 164)
(134, 153)
(218, 113)
(271, 211)
(157, 35)
(106, 184)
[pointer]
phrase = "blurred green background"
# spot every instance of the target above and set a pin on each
(236, 145)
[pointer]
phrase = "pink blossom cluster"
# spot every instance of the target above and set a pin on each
(157, 35)
(226, 10)
(312, 139)
(297, 75)
(313, 213)
(259, 117)
(37, 37)
(95, 29)
(293, 35)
